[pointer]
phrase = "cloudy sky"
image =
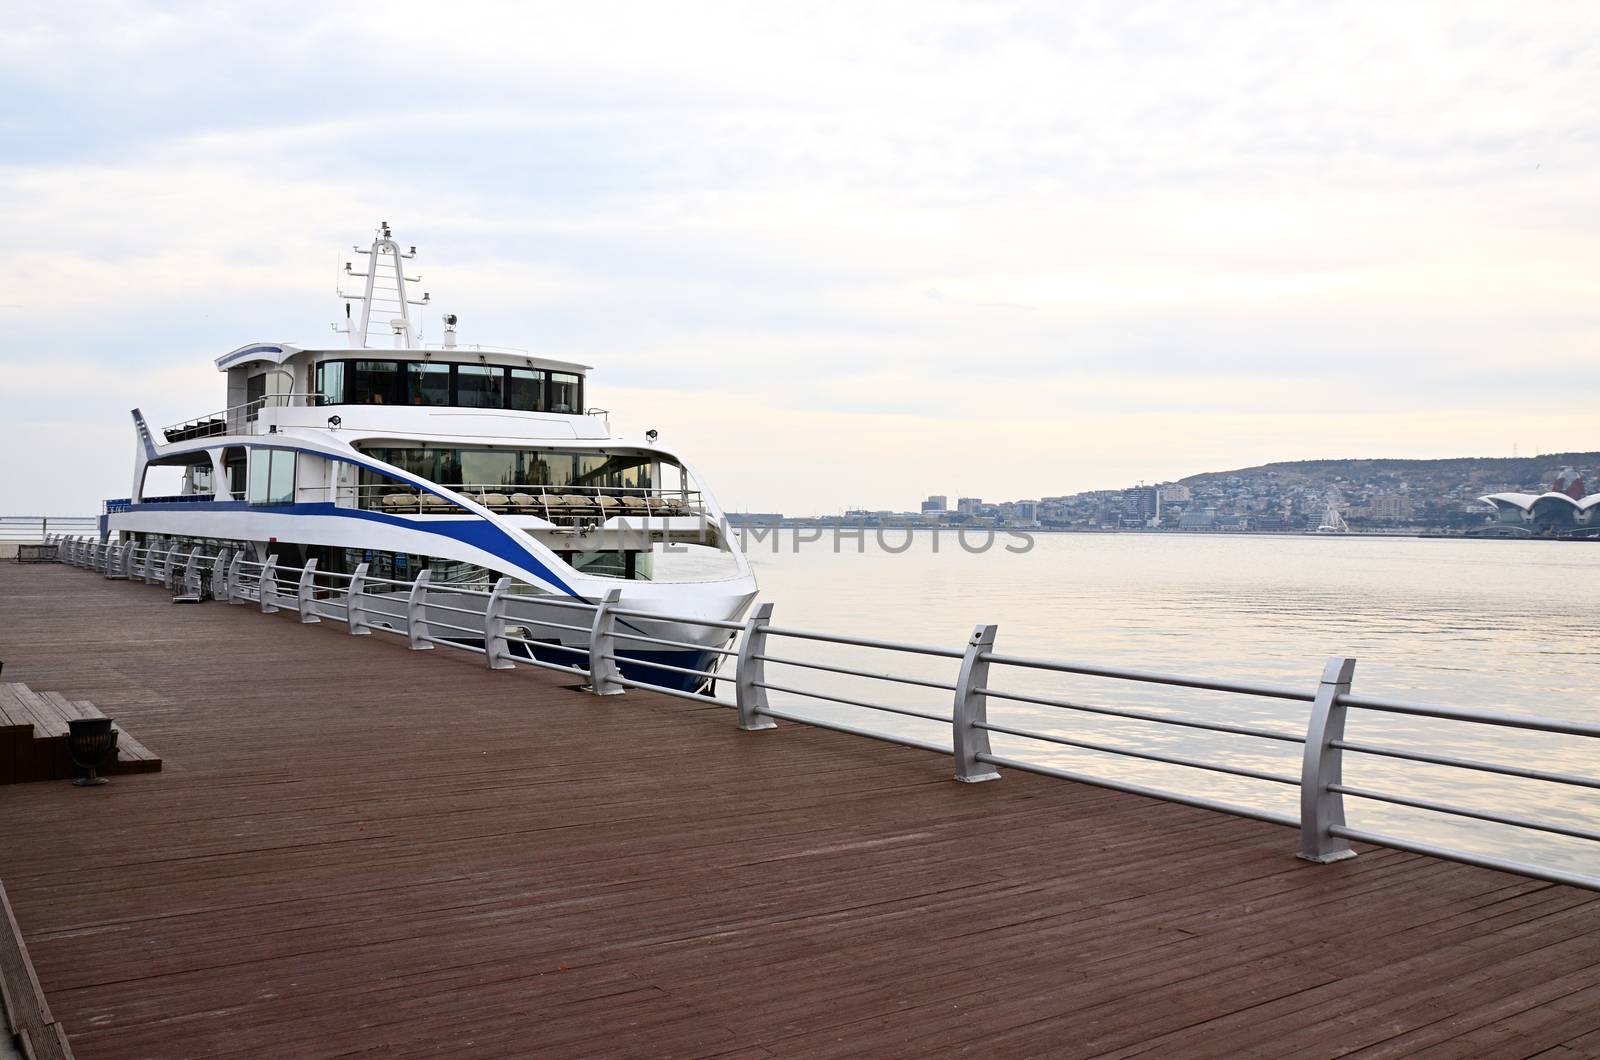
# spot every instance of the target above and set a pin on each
(841, 254)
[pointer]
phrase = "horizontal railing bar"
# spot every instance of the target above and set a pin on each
(368, 609)
(547, 644)
(1482, 861)
(1139, 789)
(897, 678)
(449, 625)
(446, 642)
(1484, 717)
(907, 711)
(664, 690)
(865, 642)
(1138, 715)
(1152, 756)
(672, 643)
(882, 737)
(683, 619)
(446, 587)
(547, 600)
(545, 624)
(1147, 677)
(710, 675)
(1462, 811)
(431, 606)
(1467, 763)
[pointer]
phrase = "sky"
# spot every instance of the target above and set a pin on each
(839, 255)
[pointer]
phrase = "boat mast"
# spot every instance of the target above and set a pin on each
(385, 291)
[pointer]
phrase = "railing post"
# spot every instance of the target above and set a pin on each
(417, 632)
(235, 573)
(495, 648)
(125, 551)
(187, 590)
(308, 583)
(170, 573)
(219, 574)
(113, 568)
(972, 710)
(355, 615)
(1320, 808)
(150, 560)
(603, 671)
(750, 672)
(268, 586)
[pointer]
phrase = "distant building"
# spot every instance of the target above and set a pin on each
(1392, 508)
(1177, 493)
(1141, 506)
(1198, 519)
(1025, 511)
(1563, 509)
(969, 505)
(938, 502)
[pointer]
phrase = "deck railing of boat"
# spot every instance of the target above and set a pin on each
(560, 505)
(239, 419)
(959, 703)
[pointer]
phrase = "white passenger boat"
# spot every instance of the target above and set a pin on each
(471, 462)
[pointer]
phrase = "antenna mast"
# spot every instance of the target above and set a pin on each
(384, 291)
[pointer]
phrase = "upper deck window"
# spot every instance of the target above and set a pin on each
(525, 390)
(566, 391)
(427, 383)
(473, 386)
(480, 386)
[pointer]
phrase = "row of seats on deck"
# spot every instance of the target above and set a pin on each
(551, 505)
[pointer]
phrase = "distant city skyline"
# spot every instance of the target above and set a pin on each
(837, 253)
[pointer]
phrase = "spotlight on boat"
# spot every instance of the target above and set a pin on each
(650, 436)
(91, 742)
(335, 421)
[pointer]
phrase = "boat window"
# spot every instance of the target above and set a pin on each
(480, 386)
(330, 382)
(427, 383)
(234, 461)
(489, 467)
(271, 478)
(431, 383)
(565, 392)
(375, 383)
(526, 390)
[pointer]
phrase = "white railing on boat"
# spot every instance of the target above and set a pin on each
(413, 609)
(239, 419)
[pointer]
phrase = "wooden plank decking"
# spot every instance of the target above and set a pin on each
(358, 848)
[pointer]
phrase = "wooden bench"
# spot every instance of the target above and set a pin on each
(33, 737)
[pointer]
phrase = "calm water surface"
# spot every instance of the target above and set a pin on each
(1502, 625)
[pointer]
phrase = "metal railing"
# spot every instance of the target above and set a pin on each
(35, 529)
(429, 614)
(559, 505)
(239, 419)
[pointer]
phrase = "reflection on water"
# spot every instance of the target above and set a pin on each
(1501, 625)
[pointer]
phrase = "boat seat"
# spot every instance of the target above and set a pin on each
(435, 505)
(655, 504)
(577, 500)
(496, 502)
(399, 502)
(632, 502)
(526, 502)
(609, 505)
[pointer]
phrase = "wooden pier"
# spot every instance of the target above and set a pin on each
(355, 847)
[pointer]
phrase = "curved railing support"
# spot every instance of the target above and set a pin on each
(603, 672)
(750, 674)
(972, 710)
(1322, 809)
